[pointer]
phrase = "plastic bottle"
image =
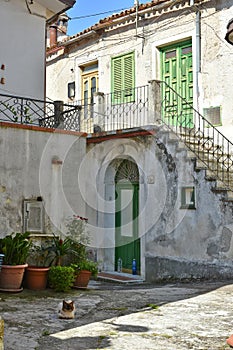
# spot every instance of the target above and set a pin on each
(119, 265)
(134, 267)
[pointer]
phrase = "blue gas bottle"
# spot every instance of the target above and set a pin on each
(134, 267)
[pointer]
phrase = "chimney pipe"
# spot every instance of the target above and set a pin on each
(53, 35)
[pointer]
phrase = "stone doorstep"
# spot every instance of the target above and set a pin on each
(119, 277)
(230, 341)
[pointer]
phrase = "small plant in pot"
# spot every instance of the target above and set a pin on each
(15, 247)
(62, 248)
(71, 247)
(39, 261)
(84, 269)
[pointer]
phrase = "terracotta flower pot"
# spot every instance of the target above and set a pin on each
(11, 278)
(82, 279)
(36, 277)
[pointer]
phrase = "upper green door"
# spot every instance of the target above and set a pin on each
(177, 72)
(127, 241)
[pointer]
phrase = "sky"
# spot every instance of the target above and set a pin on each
(88, 12)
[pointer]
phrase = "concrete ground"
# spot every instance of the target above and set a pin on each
(116, 316)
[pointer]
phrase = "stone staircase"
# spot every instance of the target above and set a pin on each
(206, 145)
(222, 181)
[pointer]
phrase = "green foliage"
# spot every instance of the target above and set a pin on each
(88, 265)
(15, 248)
(69, 248)
(153, 306)
(61, 278)
(41, 254)
(73, 246)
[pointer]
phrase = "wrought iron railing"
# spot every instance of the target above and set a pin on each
(47, 114)
(128, 109)
(125, 109)
(113, 111)
(198, 134)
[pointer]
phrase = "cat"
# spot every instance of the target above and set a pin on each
(66, 309)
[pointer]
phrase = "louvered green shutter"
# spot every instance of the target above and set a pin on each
(123, 78)
(117, 75)
(129, 78)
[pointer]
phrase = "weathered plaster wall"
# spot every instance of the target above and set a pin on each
(217, 61)
(36, 163)
(201, 236)
(213, 78)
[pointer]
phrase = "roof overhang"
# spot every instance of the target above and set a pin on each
(55, 7)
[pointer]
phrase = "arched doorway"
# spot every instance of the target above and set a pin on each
(127, 243)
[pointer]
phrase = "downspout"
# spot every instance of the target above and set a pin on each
(198, 50)
(198, 54)
(45, 61)
(136, 5)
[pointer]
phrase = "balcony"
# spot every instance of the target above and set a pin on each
(155, 104)
(48, 114)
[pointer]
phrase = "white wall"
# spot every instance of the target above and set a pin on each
(166, 229)
(22, 43)
(39, 163)
(214, 79)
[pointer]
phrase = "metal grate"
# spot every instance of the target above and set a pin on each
(213, 115)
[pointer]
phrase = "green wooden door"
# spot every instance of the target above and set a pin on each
(177, 72)
(126, 237)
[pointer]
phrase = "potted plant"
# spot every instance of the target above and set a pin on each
(72, 247)
(84, 269)
(15, 247)
(61, 278)
(39, 261)
(62, 248)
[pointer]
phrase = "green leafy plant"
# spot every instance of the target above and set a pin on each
(86, 264)
(61, 278)
(66, 250)
(41, 255)
(15, 248)
(73, 247)
(153, 306)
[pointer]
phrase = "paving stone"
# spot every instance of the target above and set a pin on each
(196, 316)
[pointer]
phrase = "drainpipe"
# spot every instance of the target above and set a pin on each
(198, 49)
(198, 53)
(136, 5)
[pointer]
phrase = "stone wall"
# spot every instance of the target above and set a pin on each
(192, 237)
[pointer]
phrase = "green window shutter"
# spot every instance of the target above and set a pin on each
(129, 78)
(123, 78)
(117, 71)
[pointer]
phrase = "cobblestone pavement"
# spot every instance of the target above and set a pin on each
(118, 317)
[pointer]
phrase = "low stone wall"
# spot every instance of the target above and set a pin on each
(168, 268)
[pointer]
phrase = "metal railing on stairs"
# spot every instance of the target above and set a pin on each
(209, 145)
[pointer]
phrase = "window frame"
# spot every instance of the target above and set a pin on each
(70, 88)
(185, 204)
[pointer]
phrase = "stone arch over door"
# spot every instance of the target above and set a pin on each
(122, 182)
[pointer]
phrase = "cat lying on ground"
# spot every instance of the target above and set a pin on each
(66, 309)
